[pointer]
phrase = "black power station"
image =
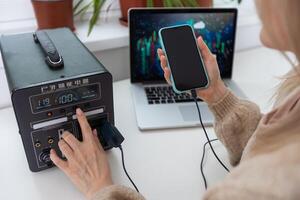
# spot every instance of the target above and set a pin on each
(50, 73)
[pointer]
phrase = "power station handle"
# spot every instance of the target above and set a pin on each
(53, 58)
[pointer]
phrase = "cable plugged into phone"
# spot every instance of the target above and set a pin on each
(194, 95)
(114, 138)
(184, 60)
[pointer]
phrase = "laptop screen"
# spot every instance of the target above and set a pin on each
(216, 26)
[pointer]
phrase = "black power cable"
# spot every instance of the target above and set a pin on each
(202, 161)
(124, 168)
(194, 95)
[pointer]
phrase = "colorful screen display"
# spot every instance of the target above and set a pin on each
(217, 30)
(64, 97)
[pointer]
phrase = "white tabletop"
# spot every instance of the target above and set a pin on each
(163, 163)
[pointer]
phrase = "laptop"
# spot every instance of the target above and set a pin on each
(157, 106)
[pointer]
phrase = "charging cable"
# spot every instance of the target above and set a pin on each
(202, 161)
(209, 141)
(124, 168)
(115, 139)
(194, 95)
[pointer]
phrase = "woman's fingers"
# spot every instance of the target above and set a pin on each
(167, 75)
(164, 65)
(65, 149)
(167, 72)
(162, 58)
(84, 124)
(88, 166)
(61, 164)
(70, 139)
(160, 52)
(97, 139)
(163, 62)
(205, 51)
(95, 135)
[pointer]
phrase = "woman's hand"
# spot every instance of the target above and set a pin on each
(86, 164)
(216, 89)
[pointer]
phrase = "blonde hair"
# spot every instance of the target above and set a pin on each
(291, 13)
(290, 81)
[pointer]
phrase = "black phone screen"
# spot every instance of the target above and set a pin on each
(184, 58)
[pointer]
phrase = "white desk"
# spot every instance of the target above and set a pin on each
(164, 164)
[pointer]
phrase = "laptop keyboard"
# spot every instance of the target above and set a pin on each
(166, 95)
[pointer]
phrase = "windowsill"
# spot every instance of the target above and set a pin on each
(108, 34)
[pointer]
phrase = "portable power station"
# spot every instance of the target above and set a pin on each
(50, 73)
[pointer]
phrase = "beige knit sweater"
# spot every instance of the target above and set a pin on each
(265, 150)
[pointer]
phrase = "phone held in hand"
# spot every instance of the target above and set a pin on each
(184, 59)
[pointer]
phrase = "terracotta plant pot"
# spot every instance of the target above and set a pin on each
(53, 13)
(126, 5)
(205, 3)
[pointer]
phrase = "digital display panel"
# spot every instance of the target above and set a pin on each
(65, 97)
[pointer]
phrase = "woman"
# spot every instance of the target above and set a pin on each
(263, 148)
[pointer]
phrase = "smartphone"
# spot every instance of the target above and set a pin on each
(184, 59)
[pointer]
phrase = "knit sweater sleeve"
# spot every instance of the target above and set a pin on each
(235, 122)
(117, 192)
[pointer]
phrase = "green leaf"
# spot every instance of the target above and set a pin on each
(192, 3)
(77, 5)
(97, 8)
(168, 3)
(83, 10)
(108, 9)
(150, 3)
(178, 3)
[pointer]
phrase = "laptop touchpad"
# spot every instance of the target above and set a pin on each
(189, 113)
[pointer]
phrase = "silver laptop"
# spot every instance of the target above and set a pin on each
(156, 105)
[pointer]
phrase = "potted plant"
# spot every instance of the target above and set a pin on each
(125, 5)
(82, 6)
(53, 13)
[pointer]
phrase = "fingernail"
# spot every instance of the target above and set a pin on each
(79, 112)
(95, 131)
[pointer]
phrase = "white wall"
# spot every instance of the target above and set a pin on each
(14, 10)
(116, 61)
